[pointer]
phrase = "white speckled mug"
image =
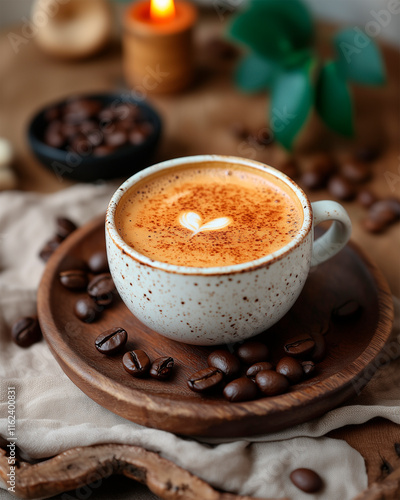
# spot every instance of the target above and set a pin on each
(215, 305)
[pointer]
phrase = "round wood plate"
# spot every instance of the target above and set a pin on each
(171, 405)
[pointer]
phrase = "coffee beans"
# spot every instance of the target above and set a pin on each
(355, 171)
(306, 480)
(317, 171)
(137, 363)
(111, 341)
(74, 279)
(308, 367)
(341, 188)
(347, 311)
(86, 310)
(49, 248)
(239, 131)
(381, 214)
(88, 127)
(290, 368)
(299, 346)
(319, 351)
(225, 361)
(26, 331)
(343, 182)
(240, 389)
(65, 227)
(98, 262)
(205, 380)
(116, 138)
(251, 352)
(161, 368)
(271, 383)
(101, 289)
(366, 153)
(258, 367)
(302, 351)
(366, 198)
(313, 180)
(103, 150)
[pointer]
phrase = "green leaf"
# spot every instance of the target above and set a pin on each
(297, 58)
(265, 37)
(272, 28)
(333, 100)
(255, 73)
(294, 16)
(359, 58)
(292, 99)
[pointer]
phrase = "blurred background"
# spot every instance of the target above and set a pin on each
(348, 11)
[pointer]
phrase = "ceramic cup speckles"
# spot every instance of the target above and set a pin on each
(215, 305)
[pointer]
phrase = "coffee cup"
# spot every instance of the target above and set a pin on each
(215, 249)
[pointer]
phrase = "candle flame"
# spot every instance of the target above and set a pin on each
(161, 10)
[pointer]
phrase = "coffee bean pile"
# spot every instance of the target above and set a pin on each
(100, 293)
(137, 363)
(94, 278)
(345, 182)
(89, 127)
(64, 227)
(248, 372)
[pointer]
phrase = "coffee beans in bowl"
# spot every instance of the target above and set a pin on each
(271, 383)
(137, 363)
(241, 389)
(161, 368)
(111, 341)
(101, 289)
(86, 309)
(74, 279)
(205, 380)
(225, 361)
(93, 137)
(252, 351)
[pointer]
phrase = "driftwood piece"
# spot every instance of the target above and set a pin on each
(388, 489)
(78, 467)
(81, 466)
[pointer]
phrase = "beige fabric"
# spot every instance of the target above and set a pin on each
(54, 415)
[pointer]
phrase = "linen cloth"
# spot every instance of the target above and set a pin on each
(53, 415)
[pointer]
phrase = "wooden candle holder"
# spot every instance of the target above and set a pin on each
(158, 55)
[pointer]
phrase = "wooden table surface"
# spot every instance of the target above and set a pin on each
(199, 121)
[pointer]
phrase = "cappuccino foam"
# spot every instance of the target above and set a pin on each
(208, 215)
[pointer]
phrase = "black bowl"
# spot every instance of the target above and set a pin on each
(122, 162)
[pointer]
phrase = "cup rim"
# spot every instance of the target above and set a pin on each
(207, 271)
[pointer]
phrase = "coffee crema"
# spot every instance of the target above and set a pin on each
(209, 215)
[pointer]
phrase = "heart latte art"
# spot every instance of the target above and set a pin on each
(208, 215)
(192, 221)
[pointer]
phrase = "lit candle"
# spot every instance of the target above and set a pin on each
(158, 52)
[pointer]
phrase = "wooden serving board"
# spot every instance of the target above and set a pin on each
(171, 405)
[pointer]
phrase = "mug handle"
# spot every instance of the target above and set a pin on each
(330, 243)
